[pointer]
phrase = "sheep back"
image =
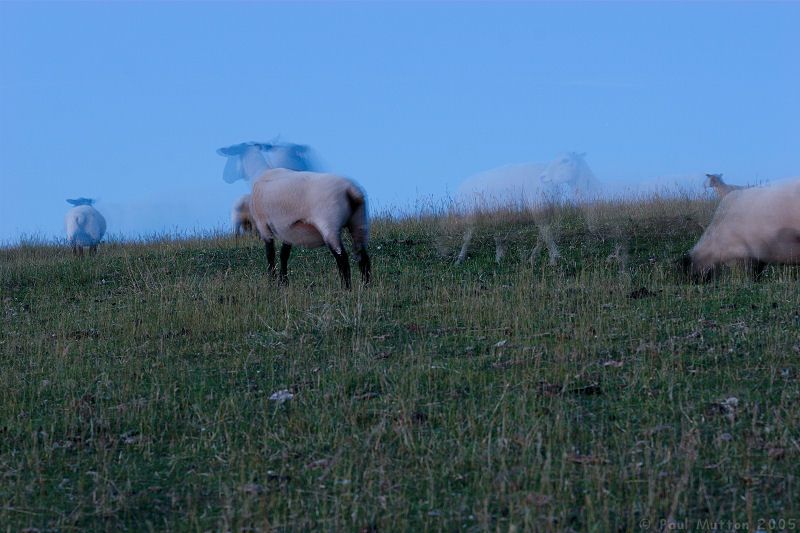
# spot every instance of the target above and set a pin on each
(759, 223)
(85, 225)
(506, 186)
(305, 208)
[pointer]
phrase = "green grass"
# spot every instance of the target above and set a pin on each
(505, 397)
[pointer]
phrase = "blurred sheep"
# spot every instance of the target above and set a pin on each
(753, 226)
(540, 188)
(85, 226)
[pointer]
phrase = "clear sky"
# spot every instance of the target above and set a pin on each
(127, 102)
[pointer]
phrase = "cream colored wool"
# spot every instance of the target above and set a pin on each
(85, 226)
(759, 224)
(309, 209)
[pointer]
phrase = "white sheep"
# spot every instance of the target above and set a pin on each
(714, 181)
(85, 226)
(301, 208)
(755, 226)
(241, 218)
(537, 187)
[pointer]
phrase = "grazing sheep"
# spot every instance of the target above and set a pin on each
(302, 208)
(714, 181)
(755, 226)
(538, 187)
(85, 226)
(240, 216)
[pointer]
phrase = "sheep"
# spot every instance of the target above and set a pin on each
(302, 208)
(240, 216)
(246, 160)
(85, 226)
(240, 165)
(714, 181)
(755, 226)
(539, 187)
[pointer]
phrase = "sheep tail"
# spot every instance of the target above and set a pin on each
(80, 220)
(355, 197)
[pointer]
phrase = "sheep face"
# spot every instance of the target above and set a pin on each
(713, 180)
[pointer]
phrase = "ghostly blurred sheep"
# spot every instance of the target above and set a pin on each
(298, 206)
(250, 159)
(85, 226)
(754, 226)
(541, 188)
(714, 181)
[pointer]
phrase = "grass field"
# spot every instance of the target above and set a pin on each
(513, 397)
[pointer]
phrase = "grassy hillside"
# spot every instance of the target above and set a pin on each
(137, 385)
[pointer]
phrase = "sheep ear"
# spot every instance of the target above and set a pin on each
(80, 201)
(232, 150)
(241, 148)
(233, 170)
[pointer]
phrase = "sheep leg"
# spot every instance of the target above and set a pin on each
(552, 248)
(286, 249)
(756, 269)
(365, 266)
(359, 232)
(343, 263)
(500, 248)
(620, 255)
(93, 250)
(464, 247)
(74, 249)
(269, 245)
(535, 252)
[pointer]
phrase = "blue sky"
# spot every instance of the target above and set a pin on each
(127, 102)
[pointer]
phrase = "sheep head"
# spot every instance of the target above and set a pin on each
(80, 201)
(713, 180)
(248, 160)
(691, 270)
